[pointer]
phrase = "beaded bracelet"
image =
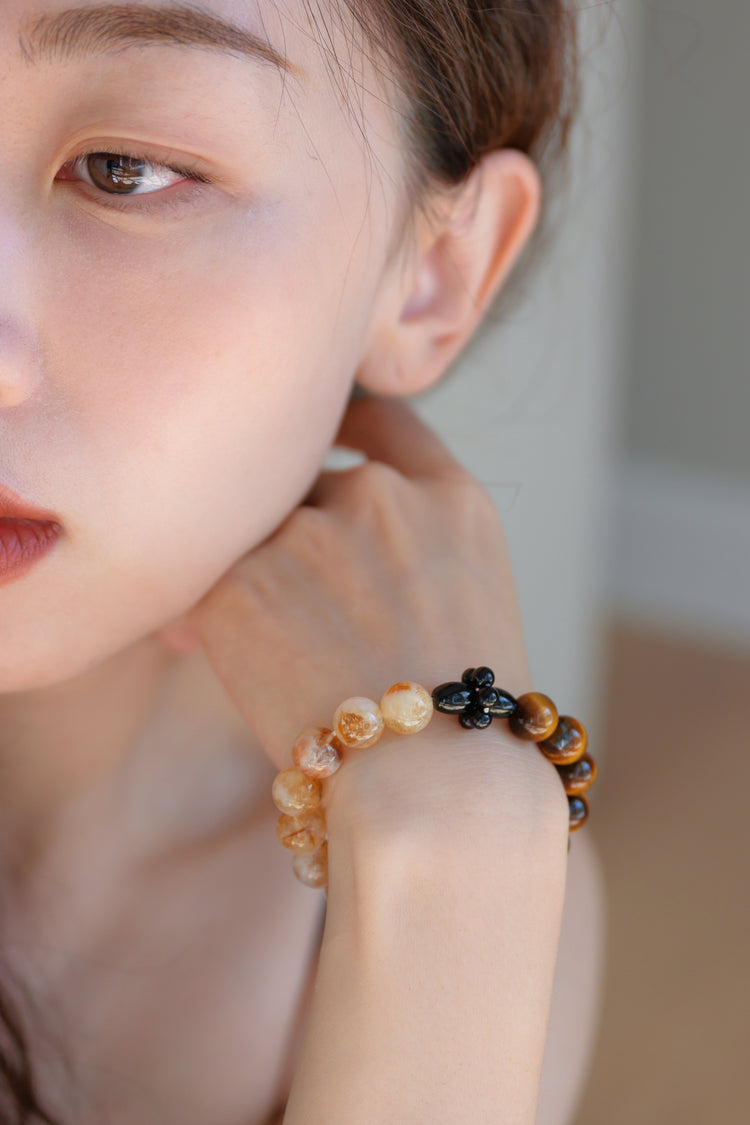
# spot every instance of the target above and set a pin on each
(406, 708)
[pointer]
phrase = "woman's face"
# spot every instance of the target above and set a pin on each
(174, 357)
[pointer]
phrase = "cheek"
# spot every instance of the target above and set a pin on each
(203, 389)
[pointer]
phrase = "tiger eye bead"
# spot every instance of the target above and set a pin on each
(312, 869)
(406, 707)
(568, 742)
(579, 810)
(534, 718)
(302, 834)
(578, 777)
(295, 793)
(358, 722)
(317, 752)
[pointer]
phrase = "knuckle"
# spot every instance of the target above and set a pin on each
(466, 493)
(375, 478)
(308, 525)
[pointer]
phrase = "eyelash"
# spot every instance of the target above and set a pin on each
(198, 180)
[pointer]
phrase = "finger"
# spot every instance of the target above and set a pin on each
(326, 487)
(385, 428)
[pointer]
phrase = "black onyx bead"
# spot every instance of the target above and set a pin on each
(486, 697)
(452, 698)
(505, 704)
(475, 718)
(474, 700)
(479, 677)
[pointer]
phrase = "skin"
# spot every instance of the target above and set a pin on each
(170, 381)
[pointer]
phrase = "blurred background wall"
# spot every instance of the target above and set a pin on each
(682, 503)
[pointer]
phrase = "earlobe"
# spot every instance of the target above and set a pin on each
(454, 274)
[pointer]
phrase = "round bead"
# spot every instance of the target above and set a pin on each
(312, 869)
(295, 793)
(406, 707)
(567, 743)
(358, 722)
(579, 810)
(534, 718)
(317, 752)
(475, 719)
(302, 834)
(578, 777)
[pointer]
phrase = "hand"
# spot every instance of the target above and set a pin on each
(396, 569)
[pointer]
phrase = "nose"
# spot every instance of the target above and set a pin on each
(19, 364)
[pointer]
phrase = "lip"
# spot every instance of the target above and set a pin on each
(13, 507)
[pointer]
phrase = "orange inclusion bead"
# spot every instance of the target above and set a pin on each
(567, 743)
(302, 834)
(579, 810)
(579, 776)
(295, 793)
(312, 869)
(358, 722)
(317, 752)
(534, 718)
(406, 707)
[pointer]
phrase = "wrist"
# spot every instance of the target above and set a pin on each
(490, 776)
(445, 810)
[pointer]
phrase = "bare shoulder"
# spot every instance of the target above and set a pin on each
(577, 990)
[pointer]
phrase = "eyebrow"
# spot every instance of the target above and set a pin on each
(81, 32)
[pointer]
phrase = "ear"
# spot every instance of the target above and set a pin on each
(436, 301)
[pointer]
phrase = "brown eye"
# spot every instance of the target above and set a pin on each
(118, 174)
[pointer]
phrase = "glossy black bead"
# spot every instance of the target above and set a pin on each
(474, 700)
(482, 719)
(451, 698)
(484, 677)
(486, 697)
(479, 677)
(505, 705)
(475, 718)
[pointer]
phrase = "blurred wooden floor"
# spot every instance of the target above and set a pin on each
(670, 815)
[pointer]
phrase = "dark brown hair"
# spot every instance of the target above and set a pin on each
(472, 77)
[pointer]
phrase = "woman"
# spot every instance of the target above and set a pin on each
(216, 219)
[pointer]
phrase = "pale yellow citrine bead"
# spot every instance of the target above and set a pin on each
(358, 722)
(303, 834)
(317, 752)
(312, 869)
(406, 707)
(295, 793)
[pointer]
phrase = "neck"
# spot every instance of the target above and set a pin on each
(62, 743)
(131, 761)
